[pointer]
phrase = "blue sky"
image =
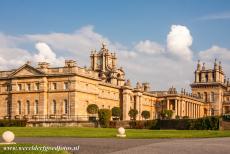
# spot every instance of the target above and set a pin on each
(125, 21)
(156, 41)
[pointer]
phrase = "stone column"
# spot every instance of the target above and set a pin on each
(176, 110)
(126, 103)
(179, 108)
(167, 104)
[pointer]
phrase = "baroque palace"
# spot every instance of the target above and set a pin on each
(63, 93)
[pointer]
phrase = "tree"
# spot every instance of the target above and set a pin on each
(166, 114)
(104, 117)
(92, 109)
(145, 114)
(133, 114)
(116, 112)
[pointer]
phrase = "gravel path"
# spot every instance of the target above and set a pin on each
(136, 146)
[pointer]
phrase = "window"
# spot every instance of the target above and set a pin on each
(36, 107)
(8, 87)
(54, 86)
(66, 85)
(199, 95)
(19, 107)
(8, 108)
(206, 77)
(28, 107)
(28, 87)
(54, 107)
(66, 106)
(19, 87)
(212, 97)
(37, 86)
(102, 106)
(205, 96)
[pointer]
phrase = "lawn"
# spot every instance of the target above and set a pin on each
(14, 149)
(110, 132)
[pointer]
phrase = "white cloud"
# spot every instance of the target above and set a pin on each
(215, 52)
(149, 47)
(179, 41)
(45, 54)
(217, 16)
(161, 71)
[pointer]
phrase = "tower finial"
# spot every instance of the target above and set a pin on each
(203, 67)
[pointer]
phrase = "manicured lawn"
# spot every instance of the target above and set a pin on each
(14, 149)
(110, 132)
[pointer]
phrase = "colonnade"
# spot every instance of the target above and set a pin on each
(185, 108)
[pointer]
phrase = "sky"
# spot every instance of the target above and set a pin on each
(156, 41)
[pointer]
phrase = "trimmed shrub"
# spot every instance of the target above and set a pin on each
(104, 117)
(145, 114)
(12, 123)
(92, 109)
(133, 114)
(116, 112)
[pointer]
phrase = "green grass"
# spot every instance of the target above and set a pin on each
(110, 132)
(4, 150)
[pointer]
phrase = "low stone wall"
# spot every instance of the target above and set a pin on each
(61, 124)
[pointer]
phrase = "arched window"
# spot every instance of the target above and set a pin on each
(19, 107)
(66, 106)
(36, 107)
(28, 107)
(54, 107)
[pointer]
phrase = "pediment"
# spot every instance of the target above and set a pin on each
(26, 70)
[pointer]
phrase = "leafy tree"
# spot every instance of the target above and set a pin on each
(133, 114)
(104, 117)
(116, 112)
(92, 109)
(145, 114)
(166, 114)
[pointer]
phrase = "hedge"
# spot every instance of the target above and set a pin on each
(206, 123)
(12, 123)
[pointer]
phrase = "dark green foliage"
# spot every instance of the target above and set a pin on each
(206, 123)
(226, 117)
(12, 123)
(116, 112)
(145, 114)
(104, 117)
(166, 114)
(133, 114)
(92, 109)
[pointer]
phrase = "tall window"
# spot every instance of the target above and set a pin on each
(66, 106)
(36, 86)
(19, 87)
(8, 108)
(28, 107)
(212, 96)
(28, 87)
(54, 107)
(8, 87)
(54, 86)
(36, 107)
(205, 96)
(66, 85)
(19, 107)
